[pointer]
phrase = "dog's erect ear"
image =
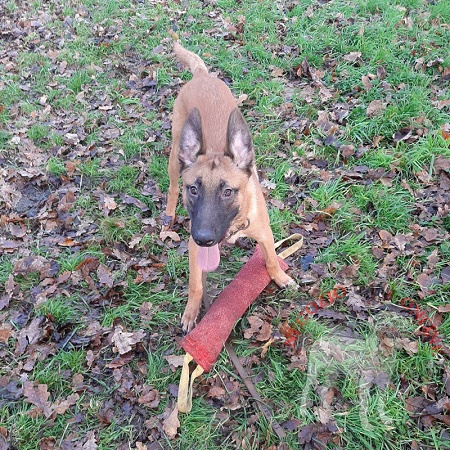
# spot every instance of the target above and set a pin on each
(239, 141)
(191, 139)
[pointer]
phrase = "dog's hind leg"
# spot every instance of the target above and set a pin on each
(174, 168)
(174, 188)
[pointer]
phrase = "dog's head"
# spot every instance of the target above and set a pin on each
(214, 185)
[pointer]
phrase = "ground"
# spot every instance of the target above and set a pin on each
(349, 107)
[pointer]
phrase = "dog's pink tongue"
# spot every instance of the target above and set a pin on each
(209, 258)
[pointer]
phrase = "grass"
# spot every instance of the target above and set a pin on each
(77, 81)
(119, 228)
(364, 206)
(79, 72)
(158, 170)
(351, 250)
(56, 166)
(6, 267)
(59, 309)
(123, 180)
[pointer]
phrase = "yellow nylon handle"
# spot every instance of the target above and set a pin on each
(293, 248)
(185, 388)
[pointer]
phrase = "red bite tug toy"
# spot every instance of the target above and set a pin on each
(204, 343)
(206, 340)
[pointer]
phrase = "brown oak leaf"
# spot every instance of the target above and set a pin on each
(38, 396)
(149, 398)
(104, 276)
(124, 341)
(255, 325)
(171, 424)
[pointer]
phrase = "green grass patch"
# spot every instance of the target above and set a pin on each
(124, 179)
(56, 166)
(119, 228)
(385, 208)
(279, 219)
(77, 81)
(158, 170)
(6, 268)
(38, 133)
(349, 250)
(60, 309)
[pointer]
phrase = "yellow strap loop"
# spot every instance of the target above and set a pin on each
(293, 248)
(185, 388)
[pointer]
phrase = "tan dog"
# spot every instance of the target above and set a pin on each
(212, 149)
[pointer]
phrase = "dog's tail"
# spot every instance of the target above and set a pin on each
(193, 61)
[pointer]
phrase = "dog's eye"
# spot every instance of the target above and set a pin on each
(227, 192)
(193, 190)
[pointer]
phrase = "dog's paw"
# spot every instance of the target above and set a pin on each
(189, 320)
(283, 280)
(167, 221)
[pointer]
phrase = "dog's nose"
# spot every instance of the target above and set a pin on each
(204, 238)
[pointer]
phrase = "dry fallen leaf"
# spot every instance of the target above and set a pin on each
(331, 349)
(146, 312)
(402, 135)
(411, 347)
(68, 242)
(38, 396)
(62, 406)
(277, 72)
(46, 443)
(385, 235)
(91, 442)
(216, 391)
(400, 241)
(323, 414)
(445, 135)
(347, 150)
(424, 281)
(444, 308)
(6, 331)
(386, 346)
(352, 57)
(108, 204)
(29, 335)
(32, 264)
(255, 325)
(171, 424)
(140, 446)
(265, 332)
(299, 361)
(124, 341)
(355, 300)
(149, 398)
(105, 276)
(175, 360)
(366, 82)
(375, 107)
(241, 99)
(169, 234)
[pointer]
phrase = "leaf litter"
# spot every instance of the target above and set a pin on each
(41, 207)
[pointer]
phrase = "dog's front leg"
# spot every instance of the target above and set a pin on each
(281, 278)
(195, 289)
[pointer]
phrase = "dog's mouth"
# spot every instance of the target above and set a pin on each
(209, 255)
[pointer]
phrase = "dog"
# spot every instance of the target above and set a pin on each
(212, 150)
